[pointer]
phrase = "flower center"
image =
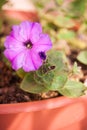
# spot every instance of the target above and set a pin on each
(28, 44)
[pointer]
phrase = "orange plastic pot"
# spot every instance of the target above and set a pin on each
(21, 15)
(53, 114)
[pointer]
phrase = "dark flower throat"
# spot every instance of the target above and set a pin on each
(28, 44)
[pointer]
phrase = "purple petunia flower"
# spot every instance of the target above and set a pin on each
(26, 46)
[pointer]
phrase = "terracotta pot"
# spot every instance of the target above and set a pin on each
(21, 15)
(53, 114)
(14, 16)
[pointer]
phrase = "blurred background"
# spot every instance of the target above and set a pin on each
(64, 20)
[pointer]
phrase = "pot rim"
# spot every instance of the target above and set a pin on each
(38, 105)
(21, 15)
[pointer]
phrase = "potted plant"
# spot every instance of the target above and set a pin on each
(46, 74)
(27, 40)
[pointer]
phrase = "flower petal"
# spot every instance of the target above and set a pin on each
(44, 39)
(17, 33)
(35, 32)
(27, 63)
(12, 43)
(26, 27)
(37, 61)
(11, 53)
(22, 32)
(42, 48)
(18, 60)
(44, 44)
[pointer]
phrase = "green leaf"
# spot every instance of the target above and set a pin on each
(78, 7)
(75, 69)
(65, 22)
(58, 82)
(59, 2)
(44, 75)
(66, 34)
(73, 89)
(57, 59)
(47, 78)
(2, 2)
(82, 57)
(28, 84)
(38, 79)
(43, 69)
(21, 73)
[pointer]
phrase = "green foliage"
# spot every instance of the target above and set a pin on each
(40, 4)
(2, 2)
(78, 7)
(63, 21)
(52, 72)
(73, 89)
(47, 78)
(21, 73)
(58, 60)
(75, 68)
(53, 76)
(60, 21)
(66, 34)
(58, 82)
(59, 2)
(29, 85)
(82, 57)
